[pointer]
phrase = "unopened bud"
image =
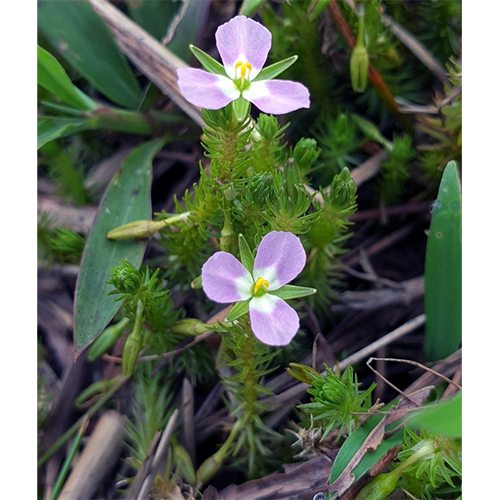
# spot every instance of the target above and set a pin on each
(379, 488)
(136, 229)
(190, 327)
(106, 340)
(196, 283)
(130, 353)
(359, 68)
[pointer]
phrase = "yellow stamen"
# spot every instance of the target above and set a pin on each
(261, 282)
(244, 67)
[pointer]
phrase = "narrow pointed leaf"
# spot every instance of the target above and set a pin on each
(293, 292)
(54, 127)
(275, 69)
(246, 255)
(239, 309)
(52, 77)
(126, 199)
(209, 63)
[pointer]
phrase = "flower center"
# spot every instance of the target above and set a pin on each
(260, 287)
(241, 70)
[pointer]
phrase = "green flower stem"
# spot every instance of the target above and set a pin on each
(119, 381)
(250, 377)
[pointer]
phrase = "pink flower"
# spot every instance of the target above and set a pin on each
(280, 258)
(243, 45)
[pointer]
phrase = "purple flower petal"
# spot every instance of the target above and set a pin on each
(277, 96)
(243, 39)
(225, 280)
(280, 258)
(272, 320)
(205, 89)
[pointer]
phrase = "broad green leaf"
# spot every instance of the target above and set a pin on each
(153, 15)
(82, 37)
(275, 69)
(209, 63)
(443, 418)
(52, 77)
(293, 292)
(443, 270)
(126, 199)
(50, 128)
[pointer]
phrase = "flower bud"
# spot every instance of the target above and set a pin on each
(190, 327)
(305, 153)
(106, 340)
(208, 469)
(130, 353)
(136, 229)
(359, 68)
(380, 487)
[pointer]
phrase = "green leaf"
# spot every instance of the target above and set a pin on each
(52, 77)
(352, 445)
(126, 199)
(250, 7)
(187, 28)
(443, 418)
(246, 255)
(241, 107)
(239, 309)
(153, 15)
(50, 128)
(275, 69)
(209, 63)
(443, 270)
(293, 292)
(85, 41)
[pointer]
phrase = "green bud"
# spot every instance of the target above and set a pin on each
(125, 277)
(228, 237)
(190, 327)
(343, 191)
(196, 283)
(305, 153)
(130, 353)
(334, 391)
(106, 340)
(98, 387)
(380, 487)
(260, 187)
(359, 68)
(136, 229)
(208, 469)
